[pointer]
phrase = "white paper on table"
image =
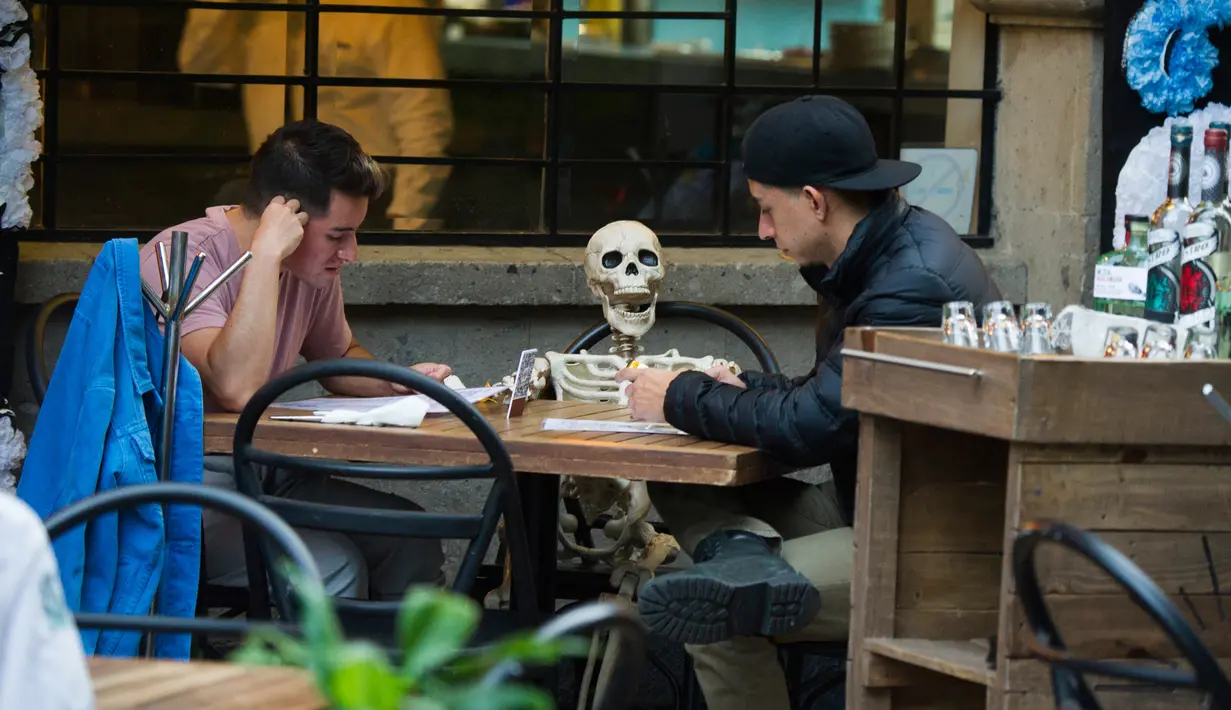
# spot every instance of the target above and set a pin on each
(611, 427)
(321, 405)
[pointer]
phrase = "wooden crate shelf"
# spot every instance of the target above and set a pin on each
(959, 447)
(964, 660)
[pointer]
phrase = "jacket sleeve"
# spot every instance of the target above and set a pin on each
(765, 380)
(803, 422)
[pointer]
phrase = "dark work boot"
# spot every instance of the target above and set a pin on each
(738, 587)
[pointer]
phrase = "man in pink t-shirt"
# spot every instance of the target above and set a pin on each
(309, 191)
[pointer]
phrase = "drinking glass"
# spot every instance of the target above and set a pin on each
(1159, 342)
(1202, 343)
(1121, 341)
(1036, 329)
(1000, 329)
(959, 324)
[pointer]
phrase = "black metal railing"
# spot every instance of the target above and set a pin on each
(552, 86)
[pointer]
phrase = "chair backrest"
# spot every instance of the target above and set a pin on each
(696, 311)
(255, 516)
(503, 498)
(622, 666)
(1068, 681)
(36, 354)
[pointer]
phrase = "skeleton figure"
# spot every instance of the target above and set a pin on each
(624, 268)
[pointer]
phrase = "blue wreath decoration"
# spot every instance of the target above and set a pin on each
(1168, 58)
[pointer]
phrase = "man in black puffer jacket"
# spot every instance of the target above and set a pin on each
(774, 558)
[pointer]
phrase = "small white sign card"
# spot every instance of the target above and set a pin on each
(523, 382)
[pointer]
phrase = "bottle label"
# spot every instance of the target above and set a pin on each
(1120, 283)
(1163, 254)
(1176, 172)
(1211, 172)
(1197, 280)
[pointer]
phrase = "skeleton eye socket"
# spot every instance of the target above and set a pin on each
(612, 259)
(647, 257)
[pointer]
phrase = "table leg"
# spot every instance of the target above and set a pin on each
(540, 500)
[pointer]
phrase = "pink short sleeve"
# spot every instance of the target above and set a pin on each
(330, 334)
(210, 314)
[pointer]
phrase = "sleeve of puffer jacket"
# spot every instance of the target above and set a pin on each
(765, 380)
(804, 422)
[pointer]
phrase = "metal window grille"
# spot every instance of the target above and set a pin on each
(553, 87)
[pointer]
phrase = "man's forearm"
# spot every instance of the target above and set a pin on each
(241, 356)
(358, 386)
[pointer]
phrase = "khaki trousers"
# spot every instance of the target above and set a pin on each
(804, 522)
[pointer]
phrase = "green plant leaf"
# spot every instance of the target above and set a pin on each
(271, 647)
(433, 626)
(523, 648)
(362, 679)
(503, 697)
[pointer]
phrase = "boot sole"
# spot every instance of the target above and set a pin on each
(700, 610)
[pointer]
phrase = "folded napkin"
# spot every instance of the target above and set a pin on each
(406, 411)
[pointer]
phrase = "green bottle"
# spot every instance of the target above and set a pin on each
(1166, 227)
(1120, 275)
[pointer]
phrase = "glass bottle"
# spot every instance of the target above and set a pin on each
(1220, 262)
(1120, 275)
(1209, 226)
(1166, 225)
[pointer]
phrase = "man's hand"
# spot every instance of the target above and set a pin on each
(647, 391)
(725, 376)
(433, 370)
(280, 230)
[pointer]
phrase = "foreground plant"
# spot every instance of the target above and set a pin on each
(436, 671)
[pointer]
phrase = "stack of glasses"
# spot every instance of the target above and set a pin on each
(1001, 329)
(1033, 334)
(1160, 343)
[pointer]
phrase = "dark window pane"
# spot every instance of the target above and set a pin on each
(689, 52)
(498, 123)
(142, 194)
(944, 136)
(945, 45)
(36, 196)
(773, 43)
(111, 116)
(394, 46)
(878, 112)
(633, 125)
(667, 200)
(169, 38)
(495, 48)
(857, 43)
(487, 198)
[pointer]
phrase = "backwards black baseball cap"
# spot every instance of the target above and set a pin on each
(820, 141)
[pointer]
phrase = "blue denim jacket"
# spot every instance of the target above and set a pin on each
(96, 431)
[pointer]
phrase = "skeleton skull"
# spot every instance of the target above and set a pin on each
(624, 268)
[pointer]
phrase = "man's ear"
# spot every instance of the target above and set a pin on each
(818, 202)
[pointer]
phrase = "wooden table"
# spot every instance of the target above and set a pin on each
(444, 441)
(128, 684)
(539, 457)
(958, 449)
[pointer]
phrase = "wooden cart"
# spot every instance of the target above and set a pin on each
(958, 448)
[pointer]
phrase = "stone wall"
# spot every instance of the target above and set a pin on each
(1046, 189)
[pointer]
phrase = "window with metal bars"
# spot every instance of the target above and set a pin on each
(500, 122)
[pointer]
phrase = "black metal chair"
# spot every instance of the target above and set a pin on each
(374, 619)
(1069, 687)
(256, 517)
(696, 311)
(619, 674)
(36, 334)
